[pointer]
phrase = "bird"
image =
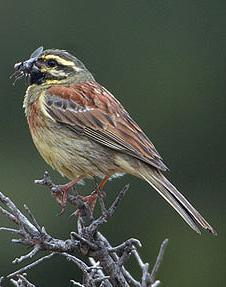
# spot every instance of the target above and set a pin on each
(81, 130)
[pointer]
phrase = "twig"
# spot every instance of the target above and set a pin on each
(156, 283)
(108, 213)
(125, 249)
(46, 180)
(21, 281)
(17, 241)
(1, 279)
(31, 254)
(75, 260)
(82, 240)
(11, 230)
(158, 260)
(9, 215)
(89, 272)
(29, 266)
(107, 263)
(148, 278)
(100, 272)
(20, 218)
(144, 267)
(128, 243)
(76, 283)
(34, 221)
(129, 278)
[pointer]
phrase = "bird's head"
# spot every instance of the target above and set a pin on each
(51, 67)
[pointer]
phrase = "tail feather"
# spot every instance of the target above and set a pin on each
(169, 192)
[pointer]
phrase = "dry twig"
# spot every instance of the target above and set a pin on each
(21, 281)
(106, 267)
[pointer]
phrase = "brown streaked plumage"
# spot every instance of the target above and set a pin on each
(82, 130)
(92, 110)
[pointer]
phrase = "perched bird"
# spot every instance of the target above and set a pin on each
(83, 131)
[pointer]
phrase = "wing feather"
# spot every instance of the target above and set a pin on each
(90, 110)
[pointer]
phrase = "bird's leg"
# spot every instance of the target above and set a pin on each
(92, 198)
(60, 192)
(102, 184)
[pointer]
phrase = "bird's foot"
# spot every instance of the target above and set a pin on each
(98, 192)
(60, 192)
(92, 198)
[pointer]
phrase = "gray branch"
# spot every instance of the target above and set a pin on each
(21, 281)
(103, 264)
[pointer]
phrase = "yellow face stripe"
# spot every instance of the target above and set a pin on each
(60, 60)
(52, 82)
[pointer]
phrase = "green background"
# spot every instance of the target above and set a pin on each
(166, 62)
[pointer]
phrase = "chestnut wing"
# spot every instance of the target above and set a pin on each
(90, 110)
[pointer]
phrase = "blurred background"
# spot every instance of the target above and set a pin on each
(166, 62)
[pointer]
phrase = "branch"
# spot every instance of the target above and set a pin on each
(106, 264)
(21, 281)
(158, 261)
(30, 266)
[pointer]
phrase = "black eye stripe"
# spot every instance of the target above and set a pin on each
(48, 62)
(50, 66)
(51, 63)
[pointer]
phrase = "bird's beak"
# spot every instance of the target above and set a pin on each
(30, 69)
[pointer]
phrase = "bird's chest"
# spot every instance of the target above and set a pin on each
(43, 135)
(54, 147)
(71, 154)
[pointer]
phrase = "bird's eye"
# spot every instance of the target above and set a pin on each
(51, 63)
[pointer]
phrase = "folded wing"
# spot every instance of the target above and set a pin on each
(90, 110)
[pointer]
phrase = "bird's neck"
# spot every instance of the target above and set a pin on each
(34, 91)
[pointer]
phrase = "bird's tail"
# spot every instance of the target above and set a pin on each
(169, 192)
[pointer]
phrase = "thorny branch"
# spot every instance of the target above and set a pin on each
(106, 264)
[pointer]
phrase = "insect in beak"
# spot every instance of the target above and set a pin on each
(26, 68)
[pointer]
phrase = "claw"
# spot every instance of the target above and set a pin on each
(91, 199)
(60, 192)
